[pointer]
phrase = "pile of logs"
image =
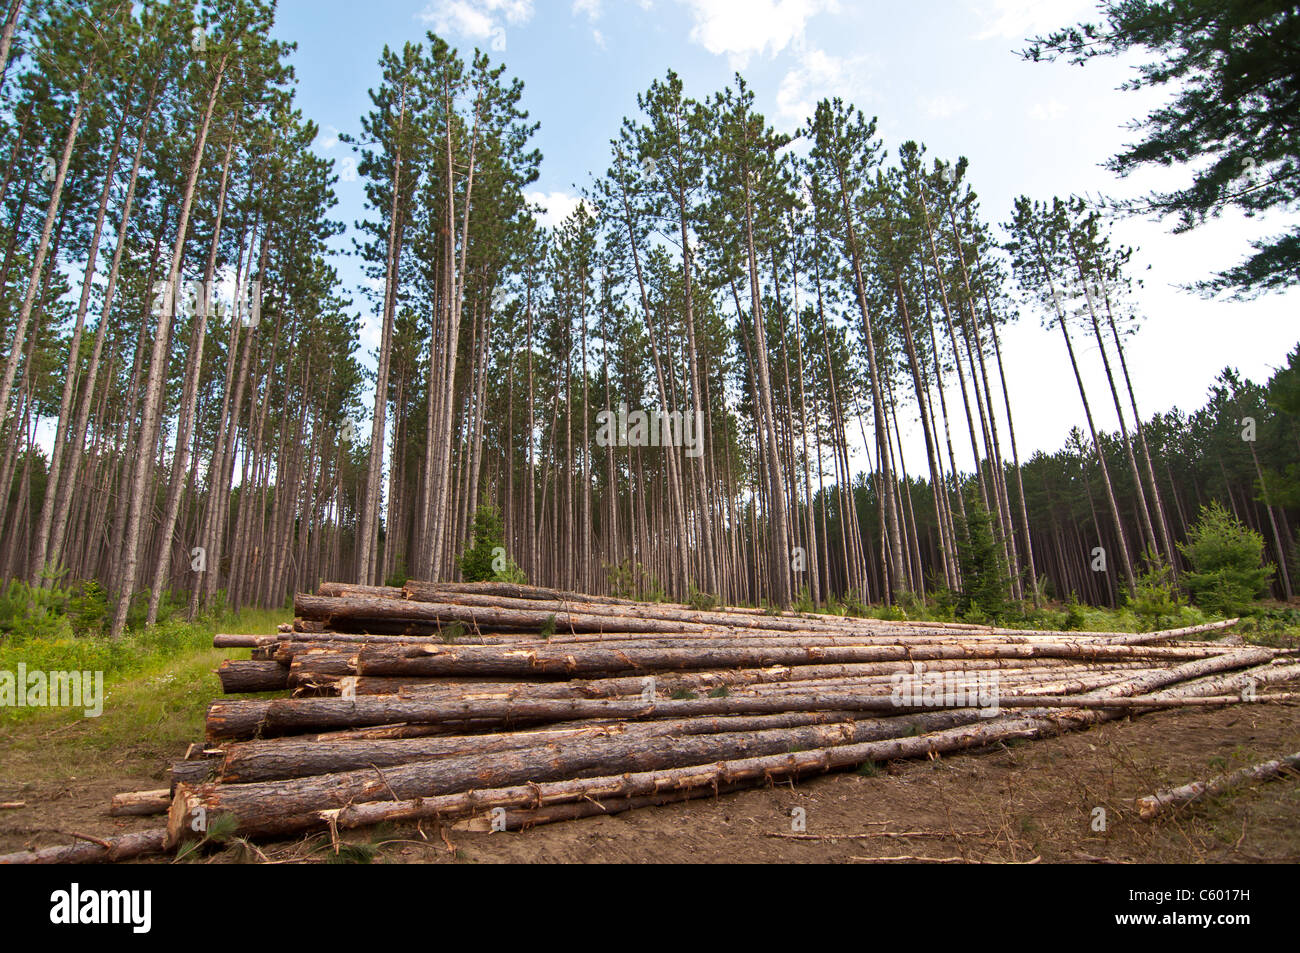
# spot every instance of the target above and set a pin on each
(504, 706)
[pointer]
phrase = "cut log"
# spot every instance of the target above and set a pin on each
(260, 807)
(190, 772)
(311, 684)
(141, 803)
(124, 847)
(432, 592)
(284, 807)
(252, 718)
(224, 640)
(319, 683)
(245, 677)
(705, 777)
(1163, 800)
(507, 595)
(346, 590)
(278, 759)
(333, 611)
(521, 819)
(429, 659)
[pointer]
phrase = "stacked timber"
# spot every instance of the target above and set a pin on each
(502, 706)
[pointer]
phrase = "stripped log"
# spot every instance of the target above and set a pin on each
(246, 719)
(428, 659)
(501, 819)
(284, 807)
(693, 640)
(308, 686)
(260, 806)
(423, 591)
(292, 757)
(730, 680)
(331, 610)
(306, 663)
(327, 683)
(140, 803)
(124, 847)
(753, 770)
(1163, 800)
(513, 596)
(344, 590)
(278, 759)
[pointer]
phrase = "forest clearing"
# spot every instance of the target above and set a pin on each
(391, 705)
(763, 492)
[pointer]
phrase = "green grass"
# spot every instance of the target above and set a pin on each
(1275, 626)
(155, 680)
(157, 688)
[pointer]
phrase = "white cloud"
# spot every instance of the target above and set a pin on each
(556, 206)
(942, 106)
(369, 337)
(590, 7)
(599, 38)
(328, 137)
(819, 75)
(1021, 19)
(1047, 112)
(741, 28)
(476, 19)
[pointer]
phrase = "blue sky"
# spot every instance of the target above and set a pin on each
(943, 73)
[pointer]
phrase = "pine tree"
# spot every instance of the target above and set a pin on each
(1235, 70)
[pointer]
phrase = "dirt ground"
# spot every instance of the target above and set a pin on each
(1033, 800)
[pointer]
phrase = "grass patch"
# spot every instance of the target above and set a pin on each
(139, 653)
(157, 686)
(1275, 627)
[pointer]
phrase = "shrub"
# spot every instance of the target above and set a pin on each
(399, 575)
(803, 601)
(910, 604)
(701, 601)
(630, 580)
(945, 603)
(1227, 573)
(1156, 600)
(1074, 618)
(88, 608)
(485, 560)
(985, 583)
(33, 612)
(848, 604)
(1279, 628)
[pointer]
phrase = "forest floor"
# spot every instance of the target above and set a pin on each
(1013, 803)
